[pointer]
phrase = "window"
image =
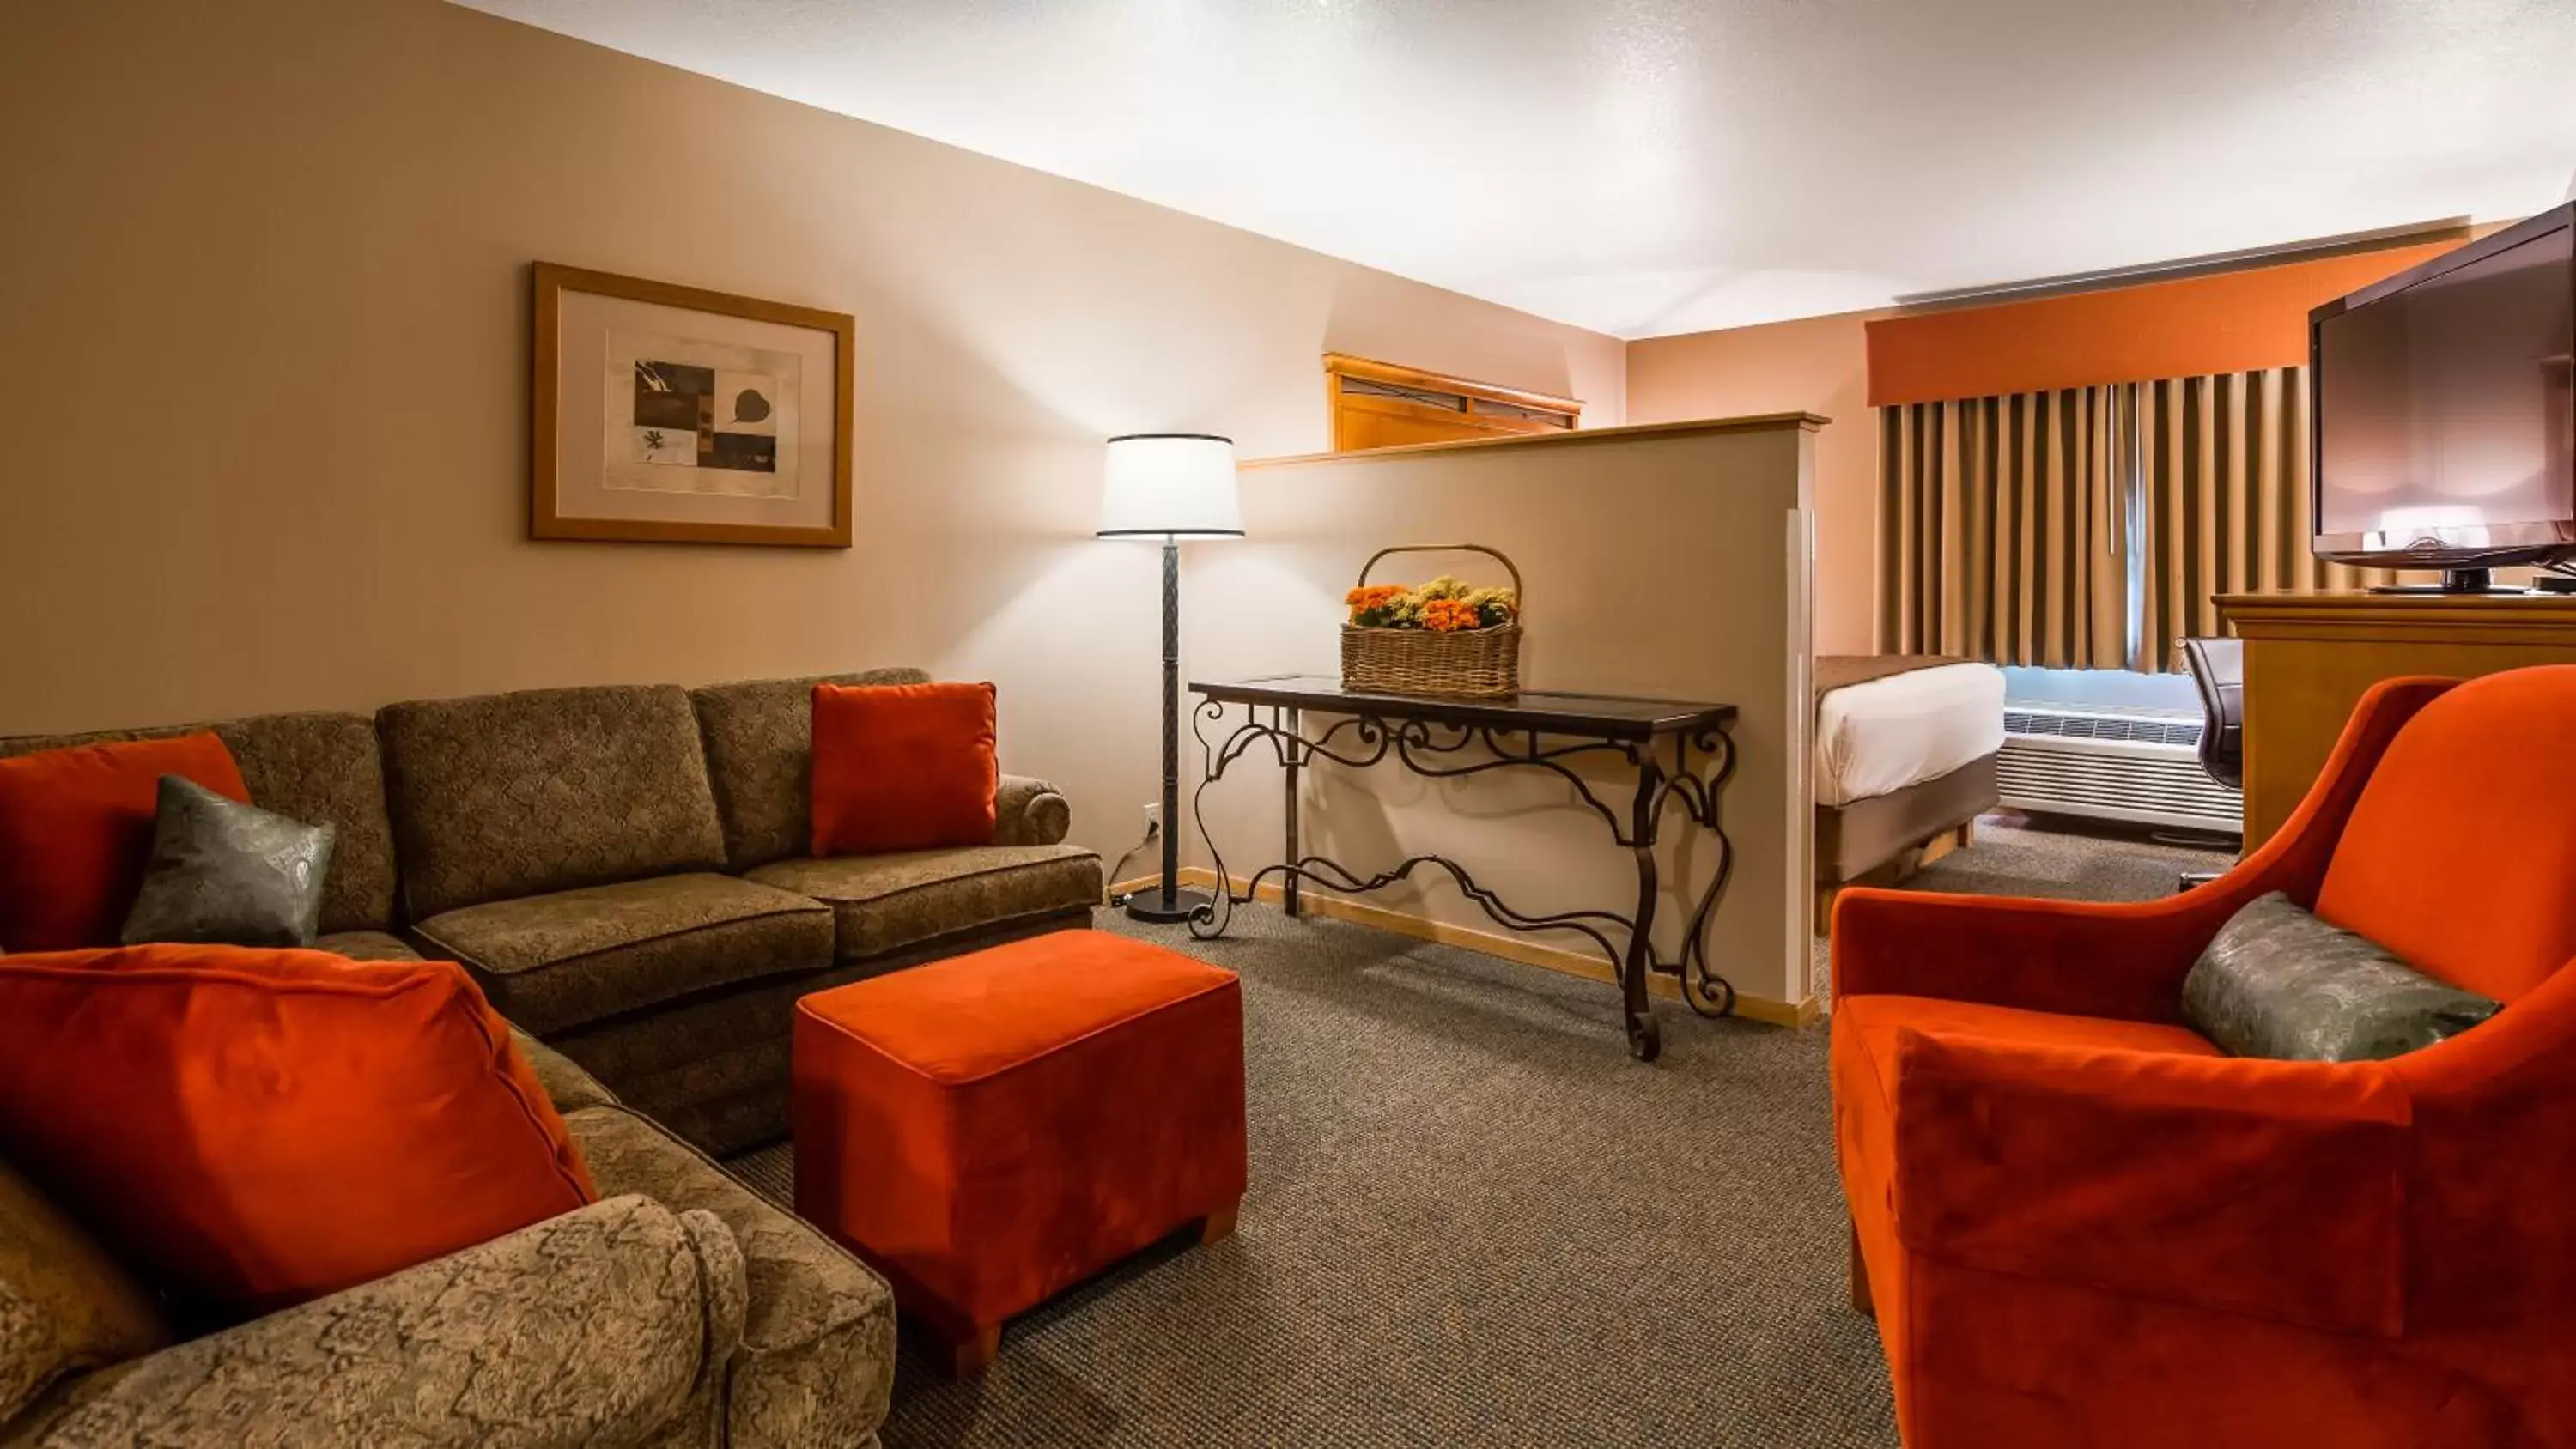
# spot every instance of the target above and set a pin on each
(1383, 405)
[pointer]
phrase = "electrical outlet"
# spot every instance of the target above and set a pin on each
(1153, 818)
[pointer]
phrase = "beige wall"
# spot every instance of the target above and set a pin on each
(1681, 576)
(1817, 365)
(263, 290)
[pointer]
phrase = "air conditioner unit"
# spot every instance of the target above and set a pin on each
(2128, 763)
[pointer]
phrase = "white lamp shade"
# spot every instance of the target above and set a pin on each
(1170, 485)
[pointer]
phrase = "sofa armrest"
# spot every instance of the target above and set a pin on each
(2089, 959)
(594, 1328)
(2275, 1189)
(2071, 958)
(1028, 811)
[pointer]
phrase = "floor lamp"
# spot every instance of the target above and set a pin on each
(1170, 487)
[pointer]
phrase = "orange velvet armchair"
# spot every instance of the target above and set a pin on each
(2079, 1223)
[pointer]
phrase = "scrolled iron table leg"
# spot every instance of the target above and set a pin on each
(1645, 1038)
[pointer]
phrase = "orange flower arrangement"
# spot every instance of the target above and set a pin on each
(1448, 616)
(1443, 606)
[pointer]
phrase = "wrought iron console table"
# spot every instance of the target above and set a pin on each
(1553, 732)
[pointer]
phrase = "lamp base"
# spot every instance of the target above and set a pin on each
(1152, 905)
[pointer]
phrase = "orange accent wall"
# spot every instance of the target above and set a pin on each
(1814, 364)
(2227, 322)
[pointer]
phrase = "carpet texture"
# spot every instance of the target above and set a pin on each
(1474, 1220)
(2066, 860)
(2012, 857)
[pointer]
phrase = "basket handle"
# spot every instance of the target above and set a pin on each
(1519, 601)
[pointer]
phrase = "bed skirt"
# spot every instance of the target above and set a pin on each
(1856, 838)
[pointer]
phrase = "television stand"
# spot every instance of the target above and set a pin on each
(2309, 658)
(2454, 581)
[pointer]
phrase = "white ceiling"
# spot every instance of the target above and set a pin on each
(1644, 167)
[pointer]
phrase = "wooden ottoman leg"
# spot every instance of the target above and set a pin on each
(1860, 1298)
(1218, 1226)
(970, 1355)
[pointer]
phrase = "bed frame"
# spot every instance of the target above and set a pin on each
(1885, 838)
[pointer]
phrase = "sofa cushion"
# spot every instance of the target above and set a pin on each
(714, 1069)
(367, 946)
(567, 1085)
(228, 872)
(2277, 982)
(323, 769)
(817, 1356)
(883, 903)
(903, 767)
(262, 1127)
(759, 740)
(511, 795)
(316, 767)
(76, 830)
(562, 959)
(66, 1307)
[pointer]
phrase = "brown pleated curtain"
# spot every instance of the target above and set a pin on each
(2001, 530)
(2008, 525)
(2223, 468)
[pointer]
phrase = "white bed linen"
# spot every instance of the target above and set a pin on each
(1880, 737)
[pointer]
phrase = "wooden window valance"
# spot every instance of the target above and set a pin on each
(1385, 405)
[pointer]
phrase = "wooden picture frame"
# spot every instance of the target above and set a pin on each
(620, 465)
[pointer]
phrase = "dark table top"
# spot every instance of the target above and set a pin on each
(1608, 716)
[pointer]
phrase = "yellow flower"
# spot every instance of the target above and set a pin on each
(1445, 604)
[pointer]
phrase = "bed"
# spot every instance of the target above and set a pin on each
(1904, 752)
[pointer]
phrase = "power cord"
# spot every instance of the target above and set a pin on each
(1153, 832)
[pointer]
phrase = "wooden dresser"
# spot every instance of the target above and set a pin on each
(2309, 657)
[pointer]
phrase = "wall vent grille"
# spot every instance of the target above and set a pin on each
(2137, 766)
(2144, 729)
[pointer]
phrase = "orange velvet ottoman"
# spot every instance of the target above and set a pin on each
(994, 1128)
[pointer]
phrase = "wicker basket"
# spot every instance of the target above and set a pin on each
(1476, 663)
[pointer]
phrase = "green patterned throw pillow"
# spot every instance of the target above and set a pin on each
(225, 873)
(2279, 983)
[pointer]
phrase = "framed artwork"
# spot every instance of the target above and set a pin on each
(666, 414)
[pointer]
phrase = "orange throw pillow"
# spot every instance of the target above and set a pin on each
(255, 1128)
(76, 832)
(903, 767)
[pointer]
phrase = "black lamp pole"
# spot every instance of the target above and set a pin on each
(1168, 902)
(1170, 486)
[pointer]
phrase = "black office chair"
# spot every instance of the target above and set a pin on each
(2218, 667)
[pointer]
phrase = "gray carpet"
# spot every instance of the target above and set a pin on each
(2059, 859)
(2017, 857)
(1473, 1220)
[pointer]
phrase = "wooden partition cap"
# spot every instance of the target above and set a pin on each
(1756, 423)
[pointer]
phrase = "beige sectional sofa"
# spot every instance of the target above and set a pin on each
(622, 869)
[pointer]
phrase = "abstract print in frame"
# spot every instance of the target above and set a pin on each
(669, 414)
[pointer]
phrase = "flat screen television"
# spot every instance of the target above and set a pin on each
(2444, 409)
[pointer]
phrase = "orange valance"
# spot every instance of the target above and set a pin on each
(2239, 321)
